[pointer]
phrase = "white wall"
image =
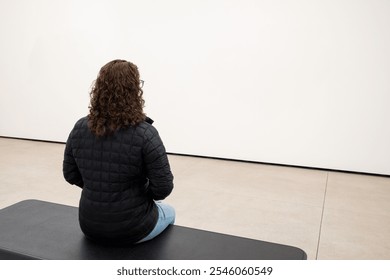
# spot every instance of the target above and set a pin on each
(299, 82)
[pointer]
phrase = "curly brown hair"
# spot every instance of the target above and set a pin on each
(116, 98)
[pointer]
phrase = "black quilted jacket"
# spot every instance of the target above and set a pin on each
(120, 176)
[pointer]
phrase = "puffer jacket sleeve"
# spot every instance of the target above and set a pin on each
(69, 167)
(157, 166)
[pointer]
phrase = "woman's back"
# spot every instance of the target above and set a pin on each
(120, 175)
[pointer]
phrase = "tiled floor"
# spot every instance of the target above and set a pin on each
(331, 215)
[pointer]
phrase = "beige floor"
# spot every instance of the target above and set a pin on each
(330, 215)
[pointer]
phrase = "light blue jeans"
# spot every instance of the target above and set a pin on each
(166, 217)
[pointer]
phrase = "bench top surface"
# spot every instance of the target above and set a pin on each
(34, 229)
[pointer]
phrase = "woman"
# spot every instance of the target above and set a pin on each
(118, 159)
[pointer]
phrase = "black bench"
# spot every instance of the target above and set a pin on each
(34, 229)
